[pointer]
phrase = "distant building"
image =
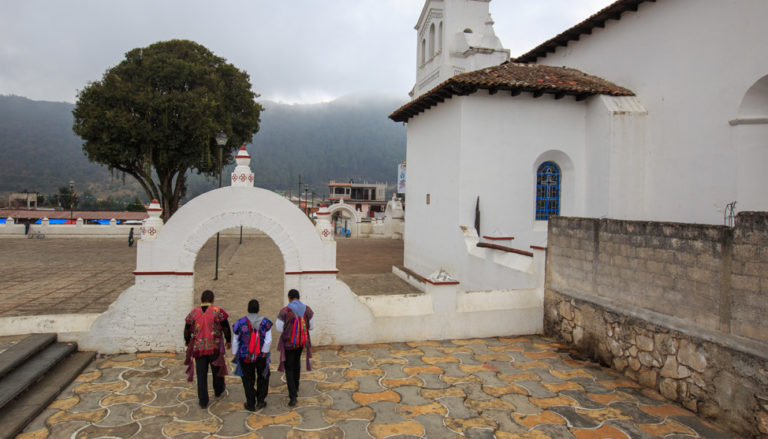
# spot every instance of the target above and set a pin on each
(367, 198)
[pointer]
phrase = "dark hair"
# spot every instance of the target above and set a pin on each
(293, 294)
(207, 296)
(253, 306)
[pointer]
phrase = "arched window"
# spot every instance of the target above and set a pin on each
(440, 38)
(548, 179)
(432, 40)
(423, 51)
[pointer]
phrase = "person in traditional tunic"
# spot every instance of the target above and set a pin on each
(250, 347)
(205, 330)
(294, 322)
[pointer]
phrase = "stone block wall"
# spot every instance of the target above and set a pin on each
(677, 307)
(749, 276)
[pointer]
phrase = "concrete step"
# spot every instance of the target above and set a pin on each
(28, 373)
(18, 353)
(22, 410)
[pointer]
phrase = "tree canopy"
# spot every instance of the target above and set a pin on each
(155, 116)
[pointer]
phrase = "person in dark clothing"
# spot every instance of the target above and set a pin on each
(250, 347)
(130, 238)
(205, 327)
(294, 322)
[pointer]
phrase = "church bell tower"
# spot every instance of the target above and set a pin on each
(454, 36)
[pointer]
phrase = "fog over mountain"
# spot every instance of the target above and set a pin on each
(348, 138)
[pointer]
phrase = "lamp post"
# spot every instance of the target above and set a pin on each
(306, 198)
(71, 198)
(221, 140)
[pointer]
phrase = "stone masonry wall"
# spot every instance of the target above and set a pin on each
(679, 308)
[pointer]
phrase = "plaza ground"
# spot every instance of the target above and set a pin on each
(505, 387)
(61, 276)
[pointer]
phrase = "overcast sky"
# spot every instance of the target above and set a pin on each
(296, 51)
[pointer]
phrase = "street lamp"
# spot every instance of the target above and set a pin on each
(71, 198)
(221, 140)
(306, 199)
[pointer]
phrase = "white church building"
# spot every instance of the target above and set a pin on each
(648, 110)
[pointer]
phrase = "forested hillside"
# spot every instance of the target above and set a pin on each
(347, 138)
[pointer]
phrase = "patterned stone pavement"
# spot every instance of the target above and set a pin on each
(523, 387)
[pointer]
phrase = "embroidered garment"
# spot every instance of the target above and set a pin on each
(247, 349)
(294, 310)
(206, 329)
(242, 330)
(207, 338)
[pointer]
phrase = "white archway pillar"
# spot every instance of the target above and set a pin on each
(149, 316)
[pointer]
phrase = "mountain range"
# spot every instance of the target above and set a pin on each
(348, 138)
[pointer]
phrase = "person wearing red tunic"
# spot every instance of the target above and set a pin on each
(204, 333)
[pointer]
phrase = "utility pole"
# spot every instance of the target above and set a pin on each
(298, 193)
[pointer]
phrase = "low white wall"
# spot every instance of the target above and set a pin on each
(442, 312)
(70, 230)
(60, 323)
(341, 317)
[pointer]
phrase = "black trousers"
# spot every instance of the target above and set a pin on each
(201, 367)
(293, 371)
(253, 374)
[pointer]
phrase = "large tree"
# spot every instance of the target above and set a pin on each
(155, 116)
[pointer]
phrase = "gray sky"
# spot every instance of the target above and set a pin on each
(294, 50)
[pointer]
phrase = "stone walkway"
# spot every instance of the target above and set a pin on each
(524, 387)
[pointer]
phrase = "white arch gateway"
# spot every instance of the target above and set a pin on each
(149, 316)
(354, 216)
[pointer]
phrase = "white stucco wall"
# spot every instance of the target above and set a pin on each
(70, 230)
(503, 142)
(690, 62)
(431, 230)
(489, 146)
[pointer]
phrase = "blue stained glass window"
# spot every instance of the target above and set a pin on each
(547, 190)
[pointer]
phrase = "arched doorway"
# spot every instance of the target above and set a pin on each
(150, 315)
(250, 266)
(348, 215)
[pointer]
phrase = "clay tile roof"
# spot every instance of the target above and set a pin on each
(610, 12)
(513, 78)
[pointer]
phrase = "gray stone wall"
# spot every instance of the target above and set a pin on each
(749, 276)
(679, 308)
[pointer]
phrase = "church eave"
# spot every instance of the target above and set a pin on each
(513, 79)
(437, 96)
(610, 12)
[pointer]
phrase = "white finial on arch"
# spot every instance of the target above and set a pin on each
(242, 175)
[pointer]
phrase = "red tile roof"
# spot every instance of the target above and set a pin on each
(610, 12)
(514, 78)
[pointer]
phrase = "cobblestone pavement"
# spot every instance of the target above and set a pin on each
(523, 387)
(61, 276)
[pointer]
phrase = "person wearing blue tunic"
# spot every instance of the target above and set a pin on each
(251, 343)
